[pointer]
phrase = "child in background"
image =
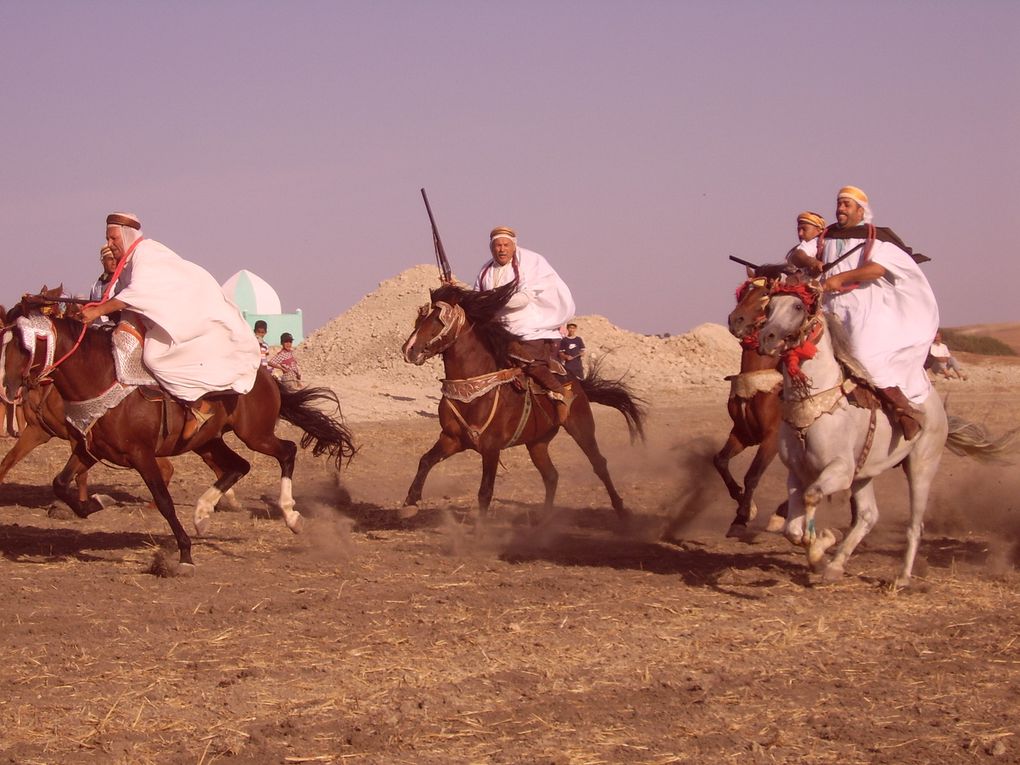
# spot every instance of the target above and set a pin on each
(260, 333)
(286, 362)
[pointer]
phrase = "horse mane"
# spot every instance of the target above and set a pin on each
(482, 309)
(841, 349)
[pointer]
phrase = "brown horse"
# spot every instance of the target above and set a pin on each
(147, 425)
(489, 405)
(753, 405)
(41, 411)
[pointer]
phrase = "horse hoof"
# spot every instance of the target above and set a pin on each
(294, 521)
(776, 524)
(901, 583)
(739, 531)
(186, 569)
(407, 511)
(202, 526)
(833, 573)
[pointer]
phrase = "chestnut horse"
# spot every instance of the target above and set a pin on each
(489, 405)
(42, 412)
(753, 405)
(147, 425)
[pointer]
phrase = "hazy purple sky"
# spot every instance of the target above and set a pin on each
(635, 144)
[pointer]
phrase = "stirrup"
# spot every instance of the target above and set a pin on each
(199, 418)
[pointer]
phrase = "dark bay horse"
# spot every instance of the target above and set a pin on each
(146, 425)
(753, 404)
(489, 405)
(43, 415)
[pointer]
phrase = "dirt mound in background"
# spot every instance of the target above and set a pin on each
(358, 352)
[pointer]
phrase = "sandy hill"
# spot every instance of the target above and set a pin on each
(358, 352)
(1008, 333)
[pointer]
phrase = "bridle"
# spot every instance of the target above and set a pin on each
(451, 317)
(749, 339)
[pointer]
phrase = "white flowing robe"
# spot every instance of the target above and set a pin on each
(196, 340)
(542, 303)
(891, 321)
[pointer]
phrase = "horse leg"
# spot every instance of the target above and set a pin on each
(148, 469)
(229, 468)
(767, 451)
(866, 512)
(75, 467)
(539, 453)
(30, 438)
(490, 462)
(581, 427)
(445, 446)
(834, 476)
(285, 452)
(730, 449)
(920, 467)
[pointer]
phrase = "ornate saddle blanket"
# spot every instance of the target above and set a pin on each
(471, 388)
(748, 384)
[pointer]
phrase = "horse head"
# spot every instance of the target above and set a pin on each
(791, 313)
(437, 327)
(749, 314)
(450, 309)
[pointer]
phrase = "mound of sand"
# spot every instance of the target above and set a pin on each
(358, 353)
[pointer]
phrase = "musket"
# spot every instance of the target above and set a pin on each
(445, 272)
(742, 262)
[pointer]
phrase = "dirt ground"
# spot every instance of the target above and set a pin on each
(571, 641)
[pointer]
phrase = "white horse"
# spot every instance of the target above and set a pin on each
(830, 445)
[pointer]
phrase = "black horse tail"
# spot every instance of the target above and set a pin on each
(617, 395)
(309, 409)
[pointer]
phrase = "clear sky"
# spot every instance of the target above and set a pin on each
(636, 144)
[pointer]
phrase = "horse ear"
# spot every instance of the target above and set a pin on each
(3, 315)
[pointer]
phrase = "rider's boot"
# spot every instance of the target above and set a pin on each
(907, 414)
(200, 412)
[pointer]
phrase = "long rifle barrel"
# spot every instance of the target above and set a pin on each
(445, 272)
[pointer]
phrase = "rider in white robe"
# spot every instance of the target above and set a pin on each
(196, 340)
(541, 304)
(890, 317)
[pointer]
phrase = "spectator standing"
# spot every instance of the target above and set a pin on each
(260, 333)
(286, 362)
(571, 351)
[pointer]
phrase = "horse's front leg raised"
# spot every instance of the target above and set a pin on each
(445, 446)
(836, 475)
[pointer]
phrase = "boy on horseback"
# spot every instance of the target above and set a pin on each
(196, 341)
(541, 304)
(885, 303)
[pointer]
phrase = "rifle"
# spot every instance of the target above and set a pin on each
(445, 272)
